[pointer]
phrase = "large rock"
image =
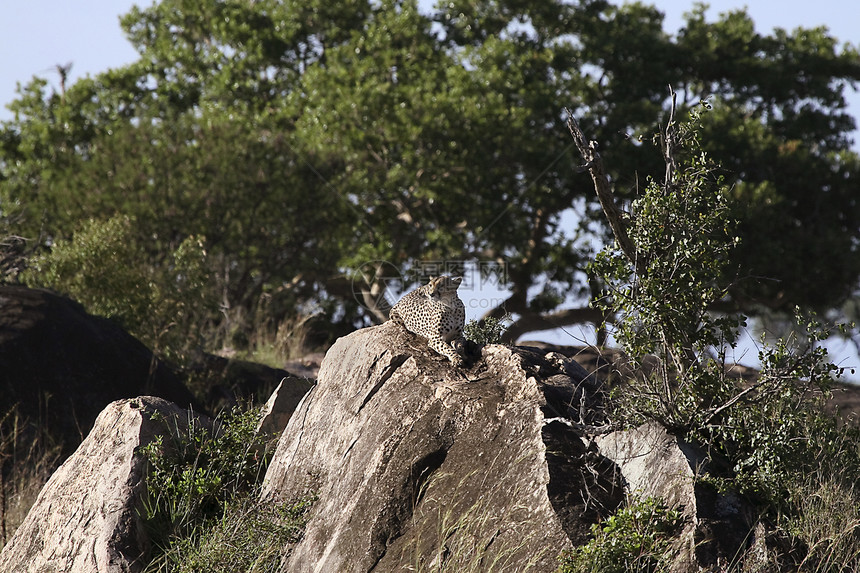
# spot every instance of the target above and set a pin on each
(62, 366)
(278, 409)
(655, 463)
(416, 464)
(86, 517)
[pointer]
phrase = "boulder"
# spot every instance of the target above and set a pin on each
(86, 517)
(655, 463)
(62, 366)
(281, 405)
(308, 366)
(231, 382)
(418, 465)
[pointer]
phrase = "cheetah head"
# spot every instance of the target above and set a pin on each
(444, 284)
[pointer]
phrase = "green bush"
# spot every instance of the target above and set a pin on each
(201, 508)
(769, 437)
(661, 294)
(107, 270)
(637, 538)
(487, 331)
(200, 470)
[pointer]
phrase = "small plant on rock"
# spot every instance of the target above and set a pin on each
(200, 470)
(638, 538)
(488, 331)
(202, 495)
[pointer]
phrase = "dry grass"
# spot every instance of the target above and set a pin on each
(27, 460)
(827, 521)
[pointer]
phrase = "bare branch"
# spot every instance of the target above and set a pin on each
(534, 321)
(670, 142)
(594, 165)
(586, 429)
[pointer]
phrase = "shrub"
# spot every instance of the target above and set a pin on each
(635, 539)
(200, 471)
(669, 268)
(201, 507)
(487, 331)
(106, 269)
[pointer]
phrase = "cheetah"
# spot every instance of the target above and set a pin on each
(435, 312)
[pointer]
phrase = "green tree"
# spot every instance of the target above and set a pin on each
(781, 133)
(182, 165)
(305, 139)
(769, 438)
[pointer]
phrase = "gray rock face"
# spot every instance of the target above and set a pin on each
(281, 404)
(645, 455)
(419, 465)
(85, 518)
(655, 463)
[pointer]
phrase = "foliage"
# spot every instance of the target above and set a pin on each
(636, 538)
(196, 475)
(249, 536)
(14, 249)
(202, 506)
(766, 436)
(662, 297)
(806, 486)
(102, 267)
(488, 331)
(303, 139)
(778, 428)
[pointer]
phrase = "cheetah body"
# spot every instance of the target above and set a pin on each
(435, 312)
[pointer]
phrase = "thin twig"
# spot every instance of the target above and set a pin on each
(671, 141)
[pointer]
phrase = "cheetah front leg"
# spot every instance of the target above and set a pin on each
(438, 344)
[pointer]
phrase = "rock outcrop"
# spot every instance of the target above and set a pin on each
(412, 465)
(418, 464)
(62, 366)
(657, 464)
(281, 404)
(230, 382)
(86, 517)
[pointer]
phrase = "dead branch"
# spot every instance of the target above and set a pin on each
(670, 141)
(594, 165)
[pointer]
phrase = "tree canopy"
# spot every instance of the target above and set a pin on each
(298, 141)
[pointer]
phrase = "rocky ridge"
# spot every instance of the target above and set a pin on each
(413, 465)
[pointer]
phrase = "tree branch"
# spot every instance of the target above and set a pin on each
(534, 321)
(594, 165)
(670, 142)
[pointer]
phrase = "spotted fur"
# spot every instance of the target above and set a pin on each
(435, 312)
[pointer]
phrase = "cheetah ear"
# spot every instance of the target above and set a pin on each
(432, 287)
